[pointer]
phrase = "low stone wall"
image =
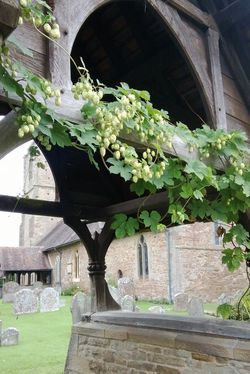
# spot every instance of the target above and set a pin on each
(136, 343)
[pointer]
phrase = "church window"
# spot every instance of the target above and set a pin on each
(143, 258)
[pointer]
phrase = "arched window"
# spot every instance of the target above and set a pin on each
(142, 258)
(76, 266)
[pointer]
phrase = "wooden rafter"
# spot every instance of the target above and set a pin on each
(186, 7)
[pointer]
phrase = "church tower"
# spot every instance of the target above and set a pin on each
(38, 184)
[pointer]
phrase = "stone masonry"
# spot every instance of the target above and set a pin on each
(101, 348)
(181, 259)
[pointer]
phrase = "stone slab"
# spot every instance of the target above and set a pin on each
(213, 327)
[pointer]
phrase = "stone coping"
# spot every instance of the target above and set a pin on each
(204, 326)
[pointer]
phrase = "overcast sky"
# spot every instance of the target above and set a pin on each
(11, 183)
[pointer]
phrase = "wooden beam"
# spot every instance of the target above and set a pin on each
(218, 91)
(8, 135)
(9, 16)
(58, 209)
(186, 7)
(70, 109)
(157, 201)
(48, 208)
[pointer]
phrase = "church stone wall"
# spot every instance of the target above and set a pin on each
(178, 262)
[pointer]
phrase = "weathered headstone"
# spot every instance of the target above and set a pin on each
(38, 291)
(49, 300)
(128, 304)
(195, 308)
(9, 290)
(80, 304)
(25, 302)
(126, 287)
(156, 309)
(114, 292)
(37, 284)
(9, 336)
(180, 302)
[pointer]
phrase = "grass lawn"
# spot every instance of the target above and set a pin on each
(44, 338)
(169, 308)
(43, 344)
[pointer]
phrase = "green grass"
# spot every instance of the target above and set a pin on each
(44, 338)
(43, 344)
(169, 308)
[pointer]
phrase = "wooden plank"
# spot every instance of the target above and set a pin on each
(36, 64)
(196, 14)
(237, 69)
(237, 109)
(30, 38)
(214, 56)
(236, 124)
(9, 16)
(230, 88)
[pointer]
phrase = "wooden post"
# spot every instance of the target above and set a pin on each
(217, 84)
(96, 247)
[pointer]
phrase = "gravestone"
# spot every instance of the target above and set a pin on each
(37, 284)
(49, 300)
(126, 287)
(114, 292)
(38, 291)
(0, 331)
(9, 290)
(9, 336)
(81, 304)
(195, 308)
(156, 309)
(180, 302)
(128, 304)
(25, 302)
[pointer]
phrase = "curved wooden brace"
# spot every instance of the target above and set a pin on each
(193, 47)
(8, 135)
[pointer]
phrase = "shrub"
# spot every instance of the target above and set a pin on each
(238, 311)
(71, 291)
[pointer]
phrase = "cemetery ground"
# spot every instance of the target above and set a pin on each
(44, 338)
(43, 341)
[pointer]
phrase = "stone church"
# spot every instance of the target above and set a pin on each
(181, 259)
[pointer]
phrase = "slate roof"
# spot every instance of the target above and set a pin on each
(62, 235)
(23, 258)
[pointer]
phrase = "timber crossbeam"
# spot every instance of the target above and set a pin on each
(87, 213)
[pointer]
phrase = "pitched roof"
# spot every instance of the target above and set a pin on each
(23, 258)
(62, 235)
